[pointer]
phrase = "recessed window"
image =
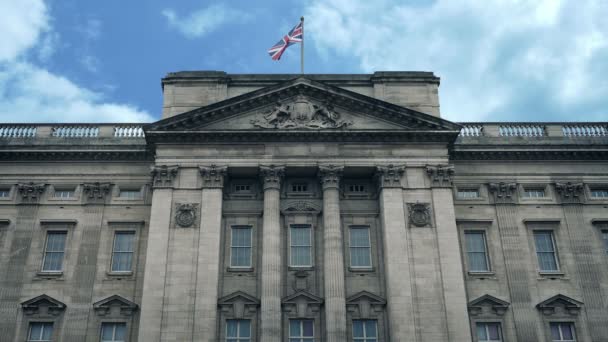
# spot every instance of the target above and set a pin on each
(300, 238)
(122, 251)
(360, 188)
(299, 187)
(562, 331)
(360, 247)
(488, 332)
(545, 251)
(238, 330)
(605, 238)
(240, 246)
(534, 192)
(64, 193)
(599, 193)
(365, 330)
(130, 194)
(54, 251)
(242, 188)
(5, 192)
(301, 330)
(467, 193)
(477, 253)
(40, 331)
(113, 332)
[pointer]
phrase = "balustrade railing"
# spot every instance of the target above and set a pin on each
(129, 131)
(17, 131)
(522, 130)
(75, 131)
(71, 131)
(585, 130)
(535, 129)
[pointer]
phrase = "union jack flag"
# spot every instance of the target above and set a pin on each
(294, 36)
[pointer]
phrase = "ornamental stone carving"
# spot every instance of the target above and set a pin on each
(389, 176)
(569, 192)
(419, 214)
(213, 176)
(185, 214)
(440, 175)
(300, 114)
(30, 192)
(330, 175)
(503, 192)
(300, 206)
(163, 175)
(271, 176)
(96, 191)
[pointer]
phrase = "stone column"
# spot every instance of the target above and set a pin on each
(151, 316)
(271, 254)
(452, 276)
(395, 238)
(516, 260)
(209, 248)
(333, 258)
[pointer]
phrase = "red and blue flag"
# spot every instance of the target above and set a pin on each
(294, 36)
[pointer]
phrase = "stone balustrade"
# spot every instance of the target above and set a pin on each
(535, 129)
(71, 131)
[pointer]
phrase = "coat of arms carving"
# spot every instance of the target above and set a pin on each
(301, 114)
(420, 214)
(186, 214)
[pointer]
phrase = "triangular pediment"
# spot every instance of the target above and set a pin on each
(115, 300)
(488, 300)
(559, 300)
(43, 300)
(365, 296)
(304, 106)
(238, 296)
(302, 296)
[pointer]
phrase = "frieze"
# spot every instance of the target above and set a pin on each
(213, 176)
(299, 114)
(570, 192)
(30, 192)
(330, 175)
(503, 192)
(271, 176)
(440, 175)
(389, 176)
(163, 175)
(185, 214)
(419, 214)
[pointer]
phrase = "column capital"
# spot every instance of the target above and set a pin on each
(213, 176)
(503, 191)
(271, 176)
(96, 192)
(570, 192)
(163, 175)
(30, 192)
(330, 175)
(441, 176)
(389, 176)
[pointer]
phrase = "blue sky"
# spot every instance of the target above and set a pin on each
(102, 61)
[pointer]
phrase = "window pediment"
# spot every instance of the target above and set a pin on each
(302, 304)
(238, 305)
(560, 304)
(43, 305)
(365, 304)
(496, 305)
(115, 304)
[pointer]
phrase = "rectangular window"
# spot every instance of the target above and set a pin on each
(477, 254)
(605, 238)
(64, 193)
(130, 194)
(545, 250)
(122, 251)
(360, 247)
(365, 330)
(299, 187)
(40, 331)
(563, 331)
(113, 332)
(301, 330)
(356, 188)
(5, 193)
(534, 192)
(240, 247)
(599, 193)
(300, 245)
(53, 251)
(467, 193)
(238, 330)
(488, 332)
(242, 188)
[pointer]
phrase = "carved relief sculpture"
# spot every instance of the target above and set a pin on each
(185, 215)
(96, 191)
(30, 192)
(440, 175)
(163, 175)
(569, 192)
(389, 176)
(419, 214)
(213, 176)
(503, 191)
(301, 114)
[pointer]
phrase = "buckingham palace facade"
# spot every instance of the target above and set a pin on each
(303, 208)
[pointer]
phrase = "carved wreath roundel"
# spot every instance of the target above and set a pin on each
(186, 215)
(420, 215)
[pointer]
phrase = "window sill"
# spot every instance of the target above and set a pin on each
(361, 269)
(552, 275)
(49, 275)
(481, 275)
(300, 268)
(115, 274)
(239, 269)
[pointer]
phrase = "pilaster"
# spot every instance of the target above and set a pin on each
(395, 237)
(271, 254)
(333, 259)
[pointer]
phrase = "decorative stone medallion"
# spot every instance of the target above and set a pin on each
(186, 214)
(420, 214)
(301, 113)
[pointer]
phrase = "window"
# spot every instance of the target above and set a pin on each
(299, 187)
(467, 193)
(238, 330)
(53, 251)
(242, 188)
(356, 188)
(605, 238)
(563, 332)
(487, 332)
(301, 330)
(477, 255)
(545, 250)
(40, 331)
(113, 332)
(65, 193)
(534, 192)
(5, 193)
(240, 247)
(129, 194)
(122, 251)
(360, 247)
(300, 245)
(599, 193)
(365, 330)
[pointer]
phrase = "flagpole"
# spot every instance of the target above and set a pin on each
(302, 48)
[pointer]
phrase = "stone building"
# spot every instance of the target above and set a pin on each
(303, 208)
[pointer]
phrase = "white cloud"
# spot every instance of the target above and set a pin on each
(203, 21)
(30, 93)
(496, 59)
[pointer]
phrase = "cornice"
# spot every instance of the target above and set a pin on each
(67, 155)
(529, 155)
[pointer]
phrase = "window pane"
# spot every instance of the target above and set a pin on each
(245, 328)
(358, 328)
(307, 328)
(360, 257)
(370, 328)
(359, 237)
(476, 250)
(544, 242)
(555, 335)
(300, 236)
(231, 328)
(122, 254)
(605, 237)
(294, 328)
(35, 331)
(120, 331)
(481, 332)
(567, 332)
(493, 331)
